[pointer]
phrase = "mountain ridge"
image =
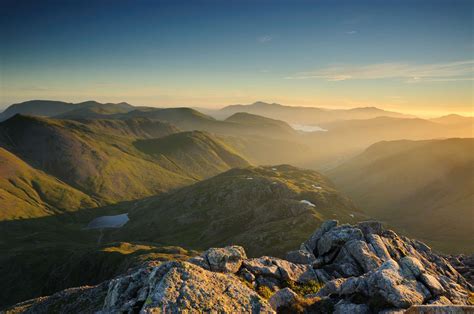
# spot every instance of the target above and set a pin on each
(424, 186)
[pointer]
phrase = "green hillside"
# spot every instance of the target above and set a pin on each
(197, 154)
(260, 208)
(26, 192)
(134, 127)
(423, 187)
(103, 162)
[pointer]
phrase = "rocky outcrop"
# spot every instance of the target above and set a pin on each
(361, 268)
(179, 286)
(464, 264)
(369, 265)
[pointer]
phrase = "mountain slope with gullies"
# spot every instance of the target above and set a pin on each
(341, 268)
(26, 192)
(266, 209)
(198, 154)
(100, 160)
(139, 128)
(423, 187)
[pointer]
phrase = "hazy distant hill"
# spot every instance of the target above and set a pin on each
(49, 108)
(346, 138)
(424, 187)
(306, 115)
(26, 192)
(266, 209)
(241, 124)
(261, 150)
(98, 159)
(454, 119)
(38, 108)
(95, 110)
(265, 125)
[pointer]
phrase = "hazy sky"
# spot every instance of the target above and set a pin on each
(414, 56)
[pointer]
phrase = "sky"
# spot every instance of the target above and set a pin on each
(413, 56)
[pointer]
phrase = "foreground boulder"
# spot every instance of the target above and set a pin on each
(369, 265)
(359, 268)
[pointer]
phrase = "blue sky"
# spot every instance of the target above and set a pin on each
(413, 56)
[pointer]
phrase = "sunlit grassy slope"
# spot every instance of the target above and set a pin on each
(26, 192)
(102, 158)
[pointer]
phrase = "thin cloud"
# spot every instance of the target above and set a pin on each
(264, 39)
(351, 32)
(410, 73)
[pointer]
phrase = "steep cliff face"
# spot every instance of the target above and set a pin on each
(360, 268)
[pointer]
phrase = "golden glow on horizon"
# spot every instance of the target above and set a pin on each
(430, 102)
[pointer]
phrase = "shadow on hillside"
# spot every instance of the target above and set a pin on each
(55, 229)
(40, 256)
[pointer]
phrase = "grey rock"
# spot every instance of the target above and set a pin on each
(283, 297)
(360, 251)
(344, 307)
(388, 282)
(411, 266)
(295, 272)
(338, 236)
(371, 227)
(378, 246)
(311, 244)
(300, 257)
(432, 284)
(200, 261)
(263, 266)
(182, 286)
(225, 260)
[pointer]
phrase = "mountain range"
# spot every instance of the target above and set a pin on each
(188, 180)
(306, 115)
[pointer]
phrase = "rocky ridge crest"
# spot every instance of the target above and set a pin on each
(360, 268)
